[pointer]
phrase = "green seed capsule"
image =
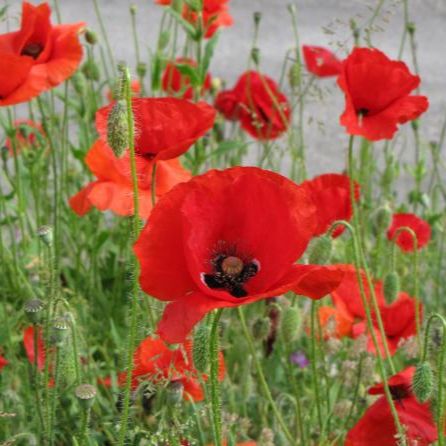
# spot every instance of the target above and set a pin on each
(321, 250)
(85, 393)
(46, 234)
(294, 75)
(34, 310)
(423, 382)
(91, 37)
(117, 128)
(382, 219)
(391, 286)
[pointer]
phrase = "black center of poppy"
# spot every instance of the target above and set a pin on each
(362, 111)
(33, 50)
(399, 392)
(230, 274)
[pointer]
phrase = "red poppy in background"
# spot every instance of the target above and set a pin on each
(228, 238)
(331, 195)
(377, 425)
(263, 110)
(25, 135)
(215, 15)
(176, 83)
(398, 317)
(28, 342)
(113, 188)
(167, 127)
(38, 57)
(135, 88)
(320, 61)
(377, 94)
(155, 361)
(404, 239)
(3, 362)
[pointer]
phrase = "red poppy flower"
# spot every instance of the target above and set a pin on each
(176, 83)
(398, 317)
(113, 188)
(404, 240)
(256, 100)
(28, 342)
(377, 94)
(135, 88)
(155, 361)
(38, 57)
(377, 425)
(25, 138)
(320, 61)
(228, 238)
(167, 127)
(331, 195)
(3, 362)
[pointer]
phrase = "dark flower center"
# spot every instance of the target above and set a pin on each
(399, 392)
(230, 274)
(33, 50)
(362, 111)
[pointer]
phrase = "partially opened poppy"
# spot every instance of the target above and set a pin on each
(320, 61)
(3, 362)
(377, 425)
(154, 361)
(28, 342)
(331, 195)
(377, 94)
(27, 135)
(175, 82)
(256, 100)
(39, 56)
(228, 238)
(404, 239)
(113, 189)
(167, 127)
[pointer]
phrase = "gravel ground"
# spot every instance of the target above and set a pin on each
(325, 140)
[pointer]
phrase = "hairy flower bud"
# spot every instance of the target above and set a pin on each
(200, 350)
(91, 70)
(391, 286)
(261, 328)
(321, 250)
(290, 322)
(91, 37)
(117, 128)
(423, 382)
(382, 219)
(141, 69)
(79, 83)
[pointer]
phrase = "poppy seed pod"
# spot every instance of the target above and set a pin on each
(261, 328)
(163, 40)
(200, 350)
(382, 219)
(133, 9)
(423, 382)
(321, 250)
(391, 286)
(85, 393)
(91, 37)
(91, 70)
(290, 323)
(34, 310)
(141, 69)
(175, 391)
(46, 234)
(117, 128)
(257, 17)
(59, 330)
(79, 83)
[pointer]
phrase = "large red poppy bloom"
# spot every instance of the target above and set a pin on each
(28, 342)
(320, 61)
(350, 317)
(404, 239)
(155, 361)
(215, 15)
(228, 238)
(166, 127)
(263, 110)
(38, 57)
(113, 189)
(377, 94)
(178, 84)
(26, 132)
(331, 195)
(377, 425)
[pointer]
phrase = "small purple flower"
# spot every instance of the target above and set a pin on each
(299, 359)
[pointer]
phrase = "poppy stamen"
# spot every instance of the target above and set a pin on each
(33, 50)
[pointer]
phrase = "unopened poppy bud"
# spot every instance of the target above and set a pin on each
(85, 393)
(294, 75)
(391, 286)
(415, 124)
(257, 17)
(175, 391)
(290, 322)
(91, 37)
(291, 8)
(34, 310)
(59, 331)
(79, 83)
(200, 349)
(382, 219)
(91, 70)
(163, 40)
(321, 250)
(141, 69)
(355, 29)
(133, 9)
(117, 128)
(261, 328)
(411, 27)
(255, 54)
(423, 382)
(46, 234)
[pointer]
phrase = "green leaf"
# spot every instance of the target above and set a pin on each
(190, 72)
(188, 28)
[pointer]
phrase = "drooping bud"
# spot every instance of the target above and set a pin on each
(117, 128)
(411, 27)
(200, 350)
(294, 75)
(423, 382)
(91, 70)
(175, 391)
(91, 37)
(163, 40)
(85, 393)
(46, 234)
(141, 69)
(290, 323)
(321, 250)
(257, 17)
(34, 310)
(391, 286)
(79, 83)
(261, 328)
(59, 331)
(133, 9)
(382, 218)
(255, 55)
